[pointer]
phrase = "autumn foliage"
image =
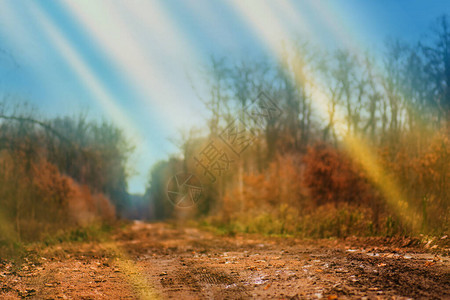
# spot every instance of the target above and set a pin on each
(332, 176)
(55, 178)
(325, 193)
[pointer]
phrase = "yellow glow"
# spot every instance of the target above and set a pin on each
(266, 25)
(141, 285)
(395, 199)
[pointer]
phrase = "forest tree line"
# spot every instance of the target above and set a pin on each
(58, 173)
(298, 176)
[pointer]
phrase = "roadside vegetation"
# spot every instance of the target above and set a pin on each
(374, 162)
(60, 179)
(305, 173)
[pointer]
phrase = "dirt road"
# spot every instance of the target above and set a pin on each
(161, 261)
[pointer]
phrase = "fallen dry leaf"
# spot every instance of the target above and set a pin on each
(429, 263)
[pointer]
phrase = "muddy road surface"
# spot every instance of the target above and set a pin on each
(162, 261)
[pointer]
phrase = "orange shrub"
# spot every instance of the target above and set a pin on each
(84, 207)
(37, 199)
(332, 177)
(423, 174)
(281, 183)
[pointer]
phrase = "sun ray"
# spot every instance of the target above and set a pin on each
(144, 70)
(271, 33)
(87, 76)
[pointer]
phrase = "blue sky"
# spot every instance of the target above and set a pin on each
(129, 61)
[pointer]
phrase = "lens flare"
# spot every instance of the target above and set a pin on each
(85, 74)
(271, 31)
(144, 63)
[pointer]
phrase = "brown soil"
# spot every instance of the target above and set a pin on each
(165, 261)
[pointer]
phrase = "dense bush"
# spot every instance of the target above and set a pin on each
(326, 193)
(332, 176)
(53, 179)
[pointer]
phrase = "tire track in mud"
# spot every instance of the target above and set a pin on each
(192, 264)
(182, 277)
(145, 261)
